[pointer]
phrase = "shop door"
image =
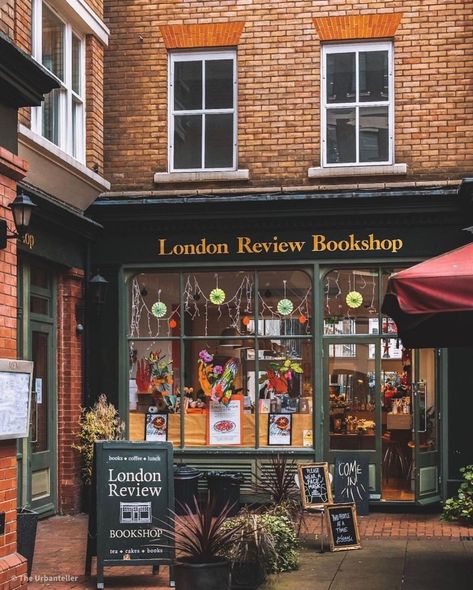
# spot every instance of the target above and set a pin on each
(43, 421)
(426, 457)
(354, 409)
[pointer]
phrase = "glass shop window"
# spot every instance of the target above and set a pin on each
(352, 399)
(350, 304)
(240, 379)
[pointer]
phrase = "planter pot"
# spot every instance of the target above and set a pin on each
(26, 523)
(202, 576)
(247, 575)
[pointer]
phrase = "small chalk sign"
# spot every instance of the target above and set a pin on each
(342, 526)
(315, 486)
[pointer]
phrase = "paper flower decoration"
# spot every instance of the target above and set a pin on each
(302, 319)
(159, 309)
(246, 320)
(172, 323)
(354, 299)
(285, 306)
(217, 296)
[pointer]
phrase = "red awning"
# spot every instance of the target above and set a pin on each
(432, 302)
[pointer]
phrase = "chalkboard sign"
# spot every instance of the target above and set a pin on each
(15, 398)
(351, 481)
(134, 493)
(314, 482)
(342, 526)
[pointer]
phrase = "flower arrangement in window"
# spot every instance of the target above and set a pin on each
(216, 380)
(154, 372)
(280, 375)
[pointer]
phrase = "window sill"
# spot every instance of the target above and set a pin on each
(370, 170)
(162, 177)
(57, 173)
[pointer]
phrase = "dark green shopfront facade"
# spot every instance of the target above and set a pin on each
(274, 300)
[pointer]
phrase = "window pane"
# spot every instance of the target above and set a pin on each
(219, 84)
(187, 141)
(187, 85)
(76, 64)
(341, 136)
(341, 77)
(352, 394)
(219, 304)
(374, 76)
(285, 303)
(53, 43)
(428, 417)
(374, 131)
(51, 106)
(154, 383)
(351, 303)
(77, 125)
(219, 141)
(154, 305)
(397, 420)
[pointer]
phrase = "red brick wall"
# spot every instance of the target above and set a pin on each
(12, 565)
(94, 104)
(279, 87)
(70, 387)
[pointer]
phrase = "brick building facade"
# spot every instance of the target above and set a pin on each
(55, 158)
(279, 85)
(235, 131)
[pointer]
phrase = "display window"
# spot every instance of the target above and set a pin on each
(227, 354)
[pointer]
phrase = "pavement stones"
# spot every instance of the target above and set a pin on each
(400, 552)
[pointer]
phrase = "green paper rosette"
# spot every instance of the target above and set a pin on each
(285, 306)
(159, 309)
(217, 296)
(354, 299)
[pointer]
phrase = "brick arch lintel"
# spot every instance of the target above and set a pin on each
(357, 26)
(202, 35)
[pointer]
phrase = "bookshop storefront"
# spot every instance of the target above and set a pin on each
(239, 339)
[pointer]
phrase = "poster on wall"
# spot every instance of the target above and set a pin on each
(280, 429)
(15, 398)
(156, 427)
(224, 426)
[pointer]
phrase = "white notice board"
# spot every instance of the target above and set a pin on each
(15, 398)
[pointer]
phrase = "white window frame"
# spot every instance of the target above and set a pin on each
(201, 56)
(357, 48)
(67, 95)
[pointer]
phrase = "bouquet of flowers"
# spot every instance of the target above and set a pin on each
(280, 375)
(216, 381)
(160, 371)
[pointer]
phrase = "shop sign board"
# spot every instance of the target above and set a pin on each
(133, 496)
(15, 398)
(351, 481)
(342, 527)
(314, 482)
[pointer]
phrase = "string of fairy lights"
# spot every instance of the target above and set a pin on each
(155, 318)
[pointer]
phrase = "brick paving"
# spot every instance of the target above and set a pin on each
(61, 544)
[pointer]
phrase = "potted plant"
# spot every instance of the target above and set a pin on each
(101, 422)
(201, 542)
(252, 550)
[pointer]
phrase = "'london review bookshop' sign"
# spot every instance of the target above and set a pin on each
(134, 494)
(279, 245)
